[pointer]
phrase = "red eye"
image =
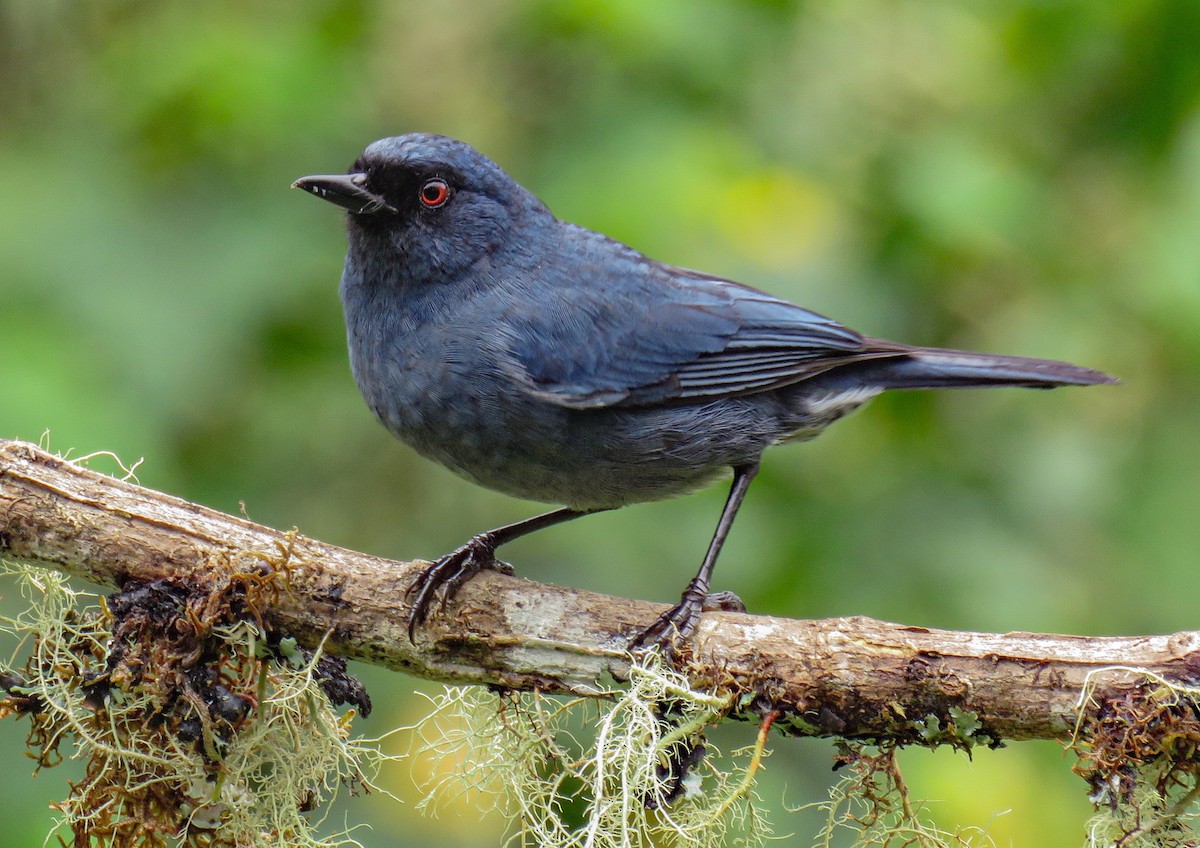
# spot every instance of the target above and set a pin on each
(434, 193)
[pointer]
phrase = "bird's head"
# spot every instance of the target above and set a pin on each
(423, 206)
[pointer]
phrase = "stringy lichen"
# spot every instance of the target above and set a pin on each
(193, 729)
(1139, 751)
(643, 774)
(872, 808)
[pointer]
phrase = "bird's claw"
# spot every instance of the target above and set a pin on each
(441, 581)
(677, 624)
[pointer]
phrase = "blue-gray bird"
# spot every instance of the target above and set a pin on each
(550, 362)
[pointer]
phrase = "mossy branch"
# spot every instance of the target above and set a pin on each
(848, 677)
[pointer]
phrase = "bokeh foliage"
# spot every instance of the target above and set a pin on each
(1014, 176)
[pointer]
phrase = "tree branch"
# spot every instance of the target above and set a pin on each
(852, 677)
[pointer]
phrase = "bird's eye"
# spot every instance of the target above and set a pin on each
(434, 193)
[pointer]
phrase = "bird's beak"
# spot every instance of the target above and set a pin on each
(346, 191)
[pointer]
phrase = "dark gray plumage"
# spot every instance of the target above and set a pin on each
(552, 363)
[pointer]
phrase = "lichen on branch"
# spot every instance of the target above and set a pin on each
(193, 727)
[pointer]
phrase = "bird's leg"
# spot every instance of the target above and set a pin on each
(680, 621)
(444, 578)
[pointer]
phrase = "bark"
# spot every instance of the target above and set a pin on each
(851, 677)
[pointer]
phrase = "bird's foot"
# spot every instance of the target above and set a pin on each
(441, 581)
(677, 624)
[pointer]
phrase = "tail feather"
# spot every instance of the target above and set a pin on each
(939, 368)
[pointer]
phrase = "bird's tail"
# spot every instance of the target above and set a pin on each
(939, 368)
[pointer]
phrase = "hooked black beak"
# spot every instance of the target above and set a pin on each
(346, 191)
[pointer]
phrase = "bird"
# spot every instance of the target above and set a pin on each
(550, 362)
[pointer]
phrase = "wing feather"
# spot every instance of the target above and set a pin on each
(670, 335)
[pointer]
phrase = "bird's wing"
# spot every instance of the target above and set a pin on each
(668, 335)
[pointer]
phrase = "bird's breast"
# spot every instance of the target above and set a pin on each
(449, 389)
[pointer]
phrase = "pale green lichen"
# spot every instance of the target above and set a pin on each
(1139, 750)
(264, 782)
(961, 730)
(524, 755)
(870, 807)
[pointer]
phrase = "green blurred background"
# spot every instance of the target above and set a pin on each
(1019, 177)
